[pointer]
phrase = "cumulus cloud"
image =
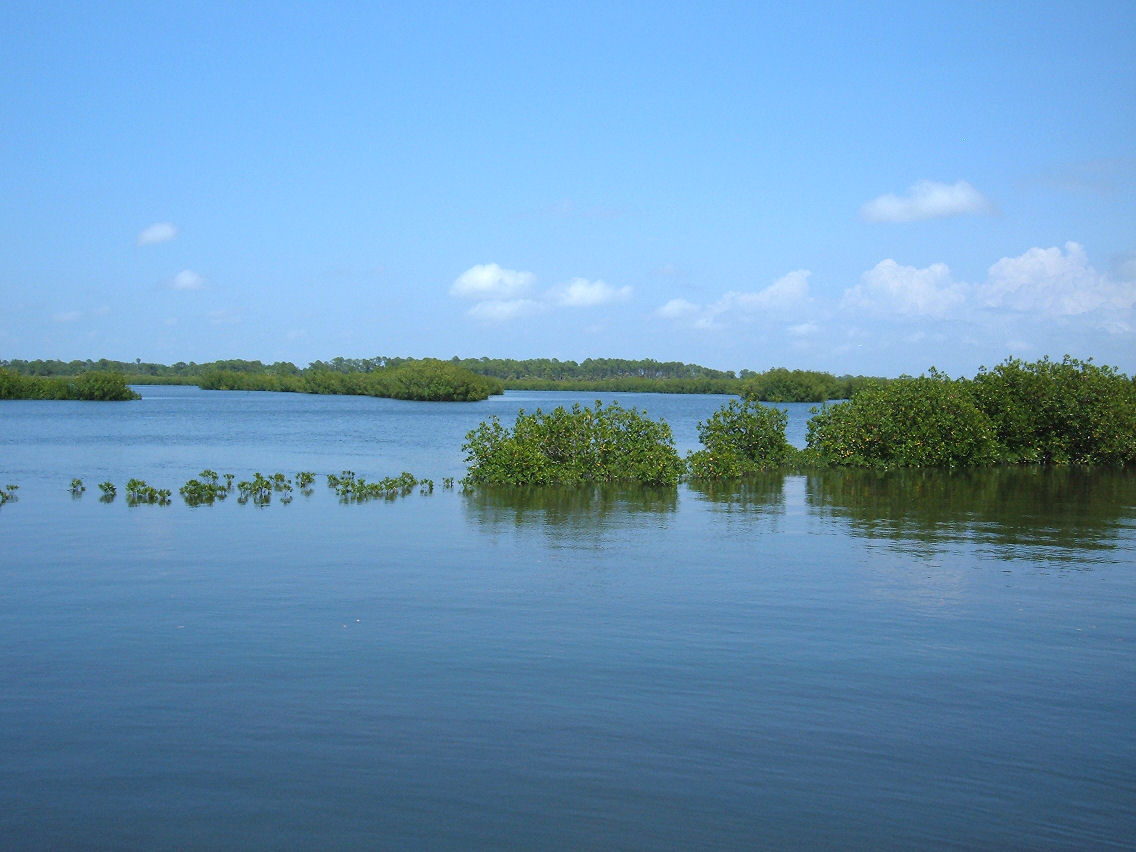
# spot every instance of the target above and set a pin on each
(490, 281)
(927, 199)
(504, 294)
(786, 293)
(159, 232)
(581, 293)
(1054, 282)
(187, 279)
(889, 288)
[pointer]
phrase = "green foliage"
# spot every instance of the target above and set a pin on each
(110, 387)
(782, 385)
(930, 421)
(427, 379)
(356, 489)
(260, 489)
(742, 437)
(434, 380)
(8, 493)
(1067, 412)
(206, 488)
(138, 492)
(77, 487)
(594, 445)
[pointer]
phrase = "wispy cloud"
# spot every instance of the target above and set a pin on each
(785, 294)
(678, 309)
(503, 310)
(581, 293)
(159, 232)
(187, 279)
(928, 199)
(66, 316)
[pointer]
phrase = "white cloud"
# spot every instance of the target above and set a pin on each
(889, 288)
(927, 199)
(159, 232)
(490, 281)
(804, 329)
(788, 292)
(66, 316)
(503, 294)
(187, 279)
(581, 293)
(503, 310)
(677, 309)
(1053, 282)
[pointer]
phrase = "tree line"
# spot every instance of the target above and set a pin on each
(348, 375)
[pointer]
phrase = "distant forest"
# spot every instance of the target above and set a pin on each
(593, 374)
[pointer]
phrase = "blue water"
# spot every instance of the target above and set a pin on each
(903, 661)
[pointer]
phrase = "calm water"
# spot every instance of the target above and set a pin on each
(904, 661)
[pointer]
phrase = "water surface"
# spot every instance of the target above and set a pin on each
(909, 660)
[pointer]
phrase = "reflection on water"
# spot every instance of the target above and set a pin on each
(579, 513)
(1060, 514)
(762, 493)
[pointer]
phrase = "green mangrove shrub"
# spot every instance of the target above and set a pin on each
(98, 386)
(77, 487)
(1060, 412)
(206, 488)
(741, 438)
(139, 492)
(427, 379)
(930, 421)
(593, 445)
(8, 493)
(260, 488)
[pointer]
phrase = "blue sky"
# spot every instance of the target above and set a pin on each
(853, 187)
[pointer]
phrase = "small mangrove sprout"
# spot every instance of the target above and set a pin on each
(77, 487)
(206, 489)
(8, 493)
(138, 492)
(356, 489)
